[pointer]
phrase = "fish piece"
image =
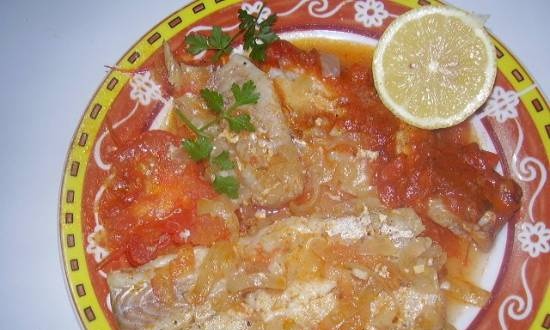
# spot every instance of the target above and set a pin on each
(481, 233)
(304, 302)
(287, 250)
(304, 95)
(184, 76)
(268, 162)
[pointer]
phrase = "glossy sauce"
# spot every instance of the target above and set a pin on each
(445, 162)
(148, 172)
(151, 198)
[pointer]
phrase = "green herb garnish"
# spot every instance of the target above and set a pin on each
(256, 37)
(240, 123)
(227, 185)
(244, 95)
(200, 148)
(223, 162)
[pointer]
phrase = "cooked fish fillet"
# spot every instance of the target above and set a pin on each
(268, 162)
(305, 95)
(482, 233)
(298, 280)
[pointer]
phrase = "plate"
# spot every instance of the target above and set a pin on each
(515, 123)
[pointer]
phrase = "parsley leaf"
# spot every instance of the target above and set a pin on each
(213, 99)
(199, 148)
(240, 123)
(223, 162)
(265, 34)
(196, 43)
(245, 95)
(247, 21)
(256, 37)
(258, 52)
(227, 185)
(219, 39)
(269, 21)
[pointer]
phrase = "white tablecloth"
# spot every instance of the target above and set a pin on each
(51, 61)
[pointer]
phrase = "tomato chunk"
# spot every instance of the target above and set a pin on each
(150, 198)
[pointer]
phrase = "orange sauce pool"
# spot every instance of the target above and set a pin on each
(349, 52)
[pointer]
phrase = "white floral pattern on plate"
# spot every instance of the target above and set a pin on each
(502, 105)
(370, 13)
(534, 239)
(317, 8)
(144, 90)
(255, 8)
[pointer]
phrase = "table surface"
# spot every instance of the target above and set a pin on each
(53, 57)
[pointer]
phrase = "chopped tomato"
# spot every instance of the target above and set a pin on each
(462, 174)
(150, 199)
(282, 53)
(205, 230)
(145, 242)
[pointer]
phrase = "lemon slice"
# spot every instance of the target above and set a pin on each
(434, 66)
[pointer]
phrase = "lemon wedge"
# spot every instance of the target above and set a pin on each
(434, 66)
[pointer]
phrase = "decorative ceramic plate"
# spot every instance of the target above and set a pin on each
(515, 122)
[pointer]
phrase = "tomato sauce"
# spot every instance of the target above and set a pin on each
(441, 163)
(149, 203)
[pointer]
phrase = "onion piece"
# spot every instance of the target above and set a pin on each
(382, 246)
(464, 291)
(308, 206)
(221, 207)
(173, 68)
(220, 259)
(240, 282)
(330, 65)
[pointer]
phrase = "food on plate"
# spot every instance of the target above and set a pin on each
(435, 66)
(280, 193)
(297, 273)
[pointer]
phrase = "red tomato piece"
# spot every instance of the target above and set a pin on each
(150, 197)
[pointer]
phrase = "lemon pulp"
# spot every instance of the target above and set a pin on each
(434, 66)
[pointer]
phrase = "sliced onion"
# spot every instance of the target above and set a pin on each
(172, 67)
(240, 282)
(220, 258)
(220, 207)
(382, 246)
(466, 292)
(330, 65)
(307, 206)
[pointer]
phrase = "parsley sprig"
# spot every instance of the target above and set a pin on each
(200, 148)
(256, 37)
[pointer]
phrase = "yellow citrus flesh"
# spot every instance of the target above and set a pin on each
(434, 66)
